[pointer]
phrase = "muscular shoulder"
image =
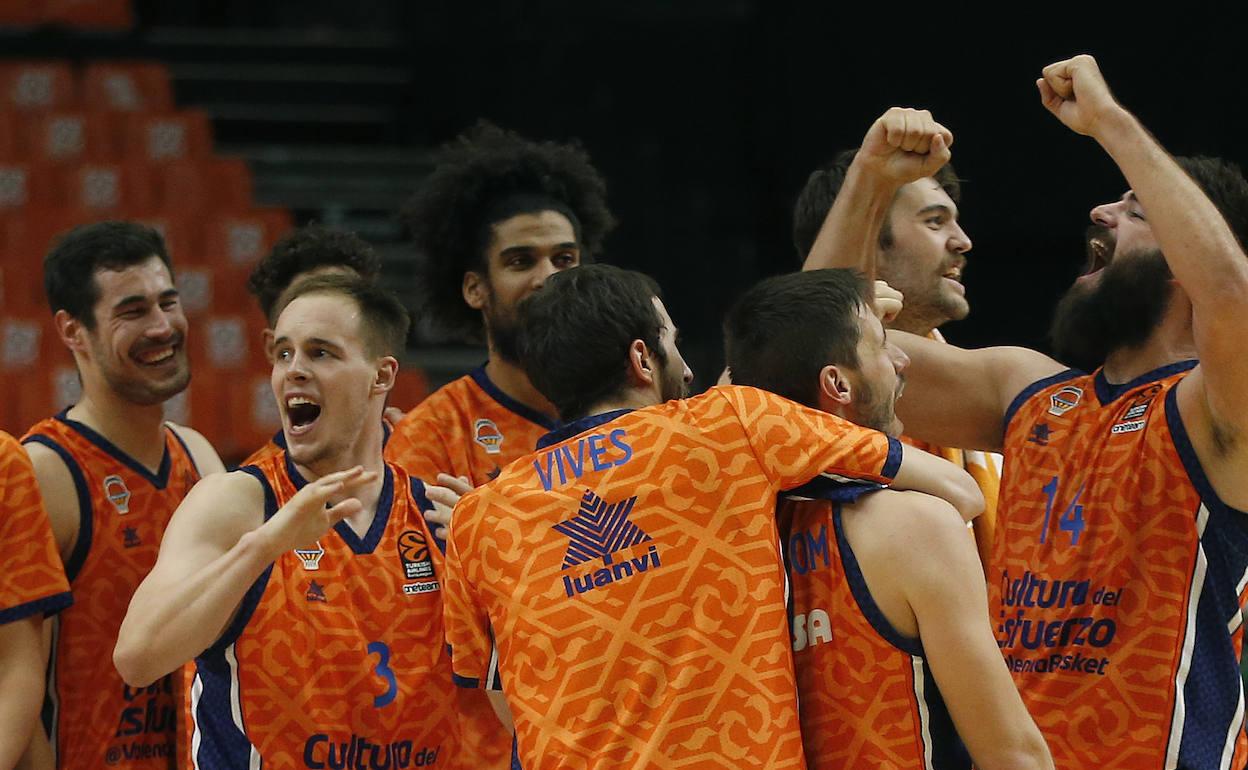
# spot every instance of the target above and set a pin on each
(60, 494)
(202, 451)
(221, 506)
(910, 531)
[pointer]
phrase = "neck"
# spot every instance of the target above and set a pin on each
(635, 398)
(135, 429)
(512, 380)
(365, 451)
(1172, 341)
(914, 323)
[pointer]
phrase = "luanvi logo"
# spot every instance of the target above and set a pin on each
(598, 531)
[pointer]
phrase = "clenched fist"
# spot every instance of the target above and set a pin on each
(904, 145)
(1075, 91)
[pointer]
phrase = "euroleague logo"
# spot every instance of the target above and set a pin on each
(414, 555)
(487, 434)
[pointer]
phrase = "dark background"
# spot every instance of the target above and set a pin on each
(706, 116)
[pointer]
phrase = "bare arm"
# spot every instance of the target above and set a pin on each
(932, 475)
(901, 146)
(21, 685)
(213, 550)
(60, 496)
(958, 397)
(945, 591)
(1201, 250)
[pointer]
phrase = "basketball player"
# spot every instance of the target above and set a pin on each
(111, 471)
(919, 248)
(889, 611)
(497, 217)
(1117, 573)
(623, 585)
(32, 586)
(305, 586)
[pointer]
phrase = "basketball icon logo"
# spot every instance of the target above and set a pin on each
(414, 555)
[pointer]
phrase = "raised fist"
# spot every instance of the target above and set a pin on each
(904, 145)
(1075, 91)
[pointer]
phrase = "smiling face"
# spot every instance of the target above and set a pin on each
(878, 379)
(138, 346)
(524, 250)
(924, 256)
(326, 381)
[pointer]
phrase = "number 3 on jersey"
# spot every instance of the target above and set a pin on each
(382, 669)
(1070, 521)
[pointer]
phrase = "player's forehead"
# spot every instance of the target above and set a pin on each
(663, 315)
(149, 277)
(921, 196)
(538, 229)
(321, 316)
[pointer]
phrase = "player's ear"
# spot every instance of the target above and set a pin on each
(474, 290)
(70, 330)
(640, 366)
(267, 342)
(387, 372)
(835, 389)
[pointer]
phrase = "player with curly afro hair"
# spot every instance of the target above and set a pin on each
(497, 217)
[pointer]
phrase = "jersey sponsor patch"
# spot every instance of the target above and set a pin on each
(1133, 417)
(414, 555)
(311, 557)
(1064, 400)
(487, 434)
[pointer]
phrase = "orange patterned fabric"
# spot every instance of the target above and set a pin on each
(467, 428)
(1118, 578)
(33, 580)
(336, 657)
(624, 584)
(866, 695)
(98, 721)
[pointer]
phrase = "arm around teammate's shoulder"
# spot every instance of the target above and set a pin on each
(925, 472)
(944, 586)
(957, 397)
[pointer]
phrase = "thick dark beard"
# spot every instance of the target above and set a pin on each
(503, 331)
(871, 411)
(1120, 311)
(672, 383)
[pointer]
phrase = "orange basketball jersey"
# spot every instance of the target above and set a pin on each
(866, 695)
(33, 580)
(336, 657)
(624, 585)
(97, 720)
(467, 428)
(1118, 578)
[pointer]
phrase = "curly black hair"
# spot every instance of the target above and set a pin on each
(306, 249)
(450, 215)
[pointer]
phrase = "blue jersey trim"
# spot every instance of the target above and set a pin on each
(1107, 392)
(484, 382)
(948, 751)
(158, 479)
(47, 605)
(224, 745)
(1026, 393)
(86, 521)
(862, 594)
(189, 454)
(1213, 687)
(576, 427)
(423, 504)
(251, 599)
(892, 463)
(833, 490)
(467, 683)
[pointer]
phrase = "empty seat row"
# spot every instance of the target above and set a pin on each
(126, 86)
(66, 136)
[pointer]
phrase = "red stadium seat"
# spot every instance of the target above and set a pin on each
(22, 13)
(160, 138)
(10, 137)
(409, 389)
(28, 184)
(209, 184)
(91, 14)
(127, 87)
(70, 136)
(37, 85)
(112, 188)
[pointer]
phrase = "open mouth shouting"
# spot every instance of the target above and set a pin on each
(302, 413)
(1100, 249)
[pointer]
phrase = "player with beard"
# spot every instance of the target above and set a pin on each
(495, 219)
(623, 585)
(111, 472)
(1118, 570)
(888, 609)
(901, 177)
(306, 586)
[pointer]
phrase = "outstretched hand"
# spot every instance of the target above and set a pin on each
(308, 516)
(904, 145)
(1075, 91)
